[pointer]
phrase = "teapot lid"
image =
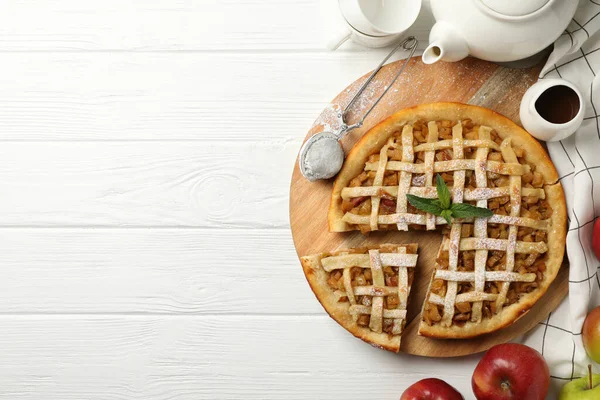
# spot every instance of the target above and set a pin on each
(515, 8)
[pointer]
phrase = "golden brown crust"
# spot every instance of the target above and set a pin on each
(339, 311)
(373, 140)
(534, 154)
(556, 247)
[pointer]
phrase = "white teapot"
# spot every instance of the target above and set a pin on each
(495, 30)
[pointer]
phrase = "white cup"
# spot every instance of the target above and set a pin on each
(552, 109)
(375, 23)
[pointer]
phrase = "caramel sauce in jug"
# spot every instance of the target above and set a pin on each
(558, 104)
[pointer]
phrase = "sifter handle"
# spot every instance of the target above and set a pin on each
(408, 44)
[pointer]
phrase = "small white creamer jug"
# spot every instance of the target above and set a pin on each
(552, 109)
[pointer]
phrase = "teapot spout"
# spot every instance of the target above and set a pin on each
(445, 44)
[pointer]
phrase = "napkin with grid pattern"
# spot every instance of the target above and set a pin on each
(576, 58)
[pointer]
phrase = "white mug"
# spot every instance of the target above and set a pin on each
(552, 109)
(375, 23)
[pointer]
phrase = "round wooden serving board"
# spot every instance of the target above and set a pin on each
(469, 81)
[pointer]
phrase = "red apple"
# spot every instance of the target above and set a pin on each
(596, 239)
(511, 372)
(431, 389)
(590, 333)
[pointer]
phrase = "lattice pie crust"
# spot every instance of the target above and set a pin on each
(365, 290)
(489, 271)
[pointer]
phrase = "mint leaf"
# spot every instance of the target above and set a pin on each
(463, 210)
(443, 207)
(447, 215)
(437, 203)
(442, 192)
(431, 206)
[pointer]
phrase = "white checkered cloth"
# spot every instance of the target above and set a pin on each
(576, 58)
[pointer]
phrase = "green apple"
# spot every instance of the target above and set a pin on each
(580, 389)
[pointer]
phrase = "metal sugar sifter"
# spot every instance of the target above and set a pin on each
(322, 156)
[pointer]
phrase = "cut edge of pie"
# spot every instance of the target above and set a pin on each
(340, 311)
(377, 137)
(514, 312)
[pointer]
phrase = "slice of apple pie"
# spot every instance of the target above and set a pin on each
(365, 290)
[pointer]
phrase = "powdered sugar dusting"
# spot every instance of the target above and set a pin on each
(328, 120)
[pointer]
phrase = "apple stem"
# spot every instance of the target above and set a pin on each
(591, 381)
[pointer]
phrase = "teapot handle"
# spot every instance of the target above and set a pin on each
(339, 40)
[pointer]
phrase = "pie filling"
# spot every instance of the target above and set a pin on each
(375, 283)
(484, 264)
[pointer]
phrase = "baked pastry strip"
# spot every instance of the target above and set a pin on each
(344, 306)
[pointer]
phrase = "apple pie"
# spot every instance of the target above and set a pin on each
(489, 271)
(365, 289)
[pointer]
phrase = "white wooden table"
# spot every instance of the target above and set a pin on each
(146, 153)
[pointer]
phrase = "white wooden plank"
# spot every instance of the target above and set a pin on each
(190, 358)
(183, 184)
(154, 25)
(152, 271)
(172, 96)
